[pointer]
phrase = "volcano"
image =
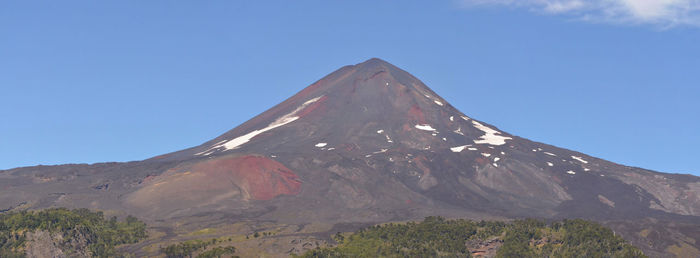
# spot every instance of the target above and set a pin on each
(370, 143)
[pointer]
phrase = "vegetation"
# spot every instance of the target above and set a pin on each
(99, 235)
(438, 237)
(190, 247)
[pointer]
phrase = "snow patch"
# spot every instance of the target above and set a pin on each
(452, 118)
(466, 118)
(496, 159)
(579, 159)
(491, 137)
(550, 154)
(321, 144)
(330, 149)
(439, 103)
(425, 127)
(459, 131)
(380, 131)
(495, 165)
(571, 172)
(444, 139)
(458, 148)
(486, 154)
(550, 164)
(472, 149)
(388, 139)
(283, 120)
(380, 151)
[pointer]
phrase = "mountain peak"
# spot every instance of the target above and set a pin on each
(374, 62)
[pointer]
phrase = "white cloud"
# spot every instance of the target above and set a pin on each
(665, 13)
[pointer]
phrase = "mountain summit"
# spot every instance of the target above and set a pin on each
(370, 143)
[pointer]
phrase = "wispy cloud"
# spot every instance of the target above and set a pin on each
(664, 13)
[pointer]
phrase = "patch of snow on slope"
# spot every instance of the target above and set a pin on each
(465, 118)
(579, 159)
(491, 137)
(496, 159)
(571, 172)
(425, 127)
(286, 119)
(321, 144)
(438, 102)
(380, 131)
(472, 149)
(486, 154)
(452, 118)
(550, 164)
(550, 154)
(459, 131)
(458, 148)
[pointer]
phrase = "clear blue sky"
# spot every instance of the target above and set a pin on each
(95, 81)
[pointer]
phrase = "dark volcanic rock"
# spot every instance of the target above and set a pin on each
(370, 143)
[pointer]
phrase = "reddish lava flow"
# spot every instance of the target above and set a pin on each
(261, 177)
(312, 107)
(416, 114)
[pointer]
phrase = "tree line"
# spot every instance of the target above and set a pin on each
(100, 235)
(439, 237)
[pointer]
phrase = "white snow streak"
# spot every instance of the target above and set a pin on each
(579, 159)
(550, 154)
(571, 172)
(458, 148)
(486, 154)
(550, 164)
(321, 144)
(240, 140)
(438, 102)
(425, 127)
(491, 136)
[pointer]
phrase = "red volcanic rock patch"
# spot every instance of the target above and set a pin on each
(262, 178)
(416, 114)
(216, 181)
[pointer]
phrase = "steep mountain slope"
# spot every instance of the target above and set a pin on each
(367, 143)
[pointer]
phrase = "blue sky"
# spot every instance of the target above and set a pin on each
(95, 81)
